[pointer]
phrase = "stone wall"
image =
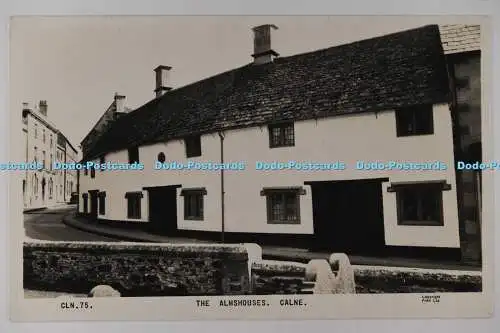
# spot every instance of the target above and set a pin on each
(467, 71)
(143, 269)
(395, 280)
(279, 277)
(137, 269)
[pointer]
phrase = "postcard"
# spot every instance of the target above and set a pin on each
(246, 167)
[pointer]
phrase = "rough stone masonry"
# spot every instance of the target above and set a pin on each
(137, 269)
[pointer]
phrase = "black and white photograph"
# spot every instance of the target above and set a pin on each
(249, 167)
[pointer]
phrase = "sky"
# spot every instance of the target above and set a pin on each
(77, 64)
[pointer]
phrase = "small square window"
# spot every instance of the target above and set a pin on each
(415, 120)
(133, 155)
(193, 146)
(281, 135)
(283, 205)
(193, 203)
(420, 203)
(134, 204)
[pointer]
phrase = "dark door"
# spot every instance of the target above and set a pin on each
(163, 209)
(93, 204)
(348, 216)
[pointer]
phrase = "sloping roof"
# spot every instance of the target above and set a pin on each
(459, 38)
(400, 69)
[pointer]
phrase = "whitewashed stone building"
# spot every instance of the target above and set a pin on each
(382, 99)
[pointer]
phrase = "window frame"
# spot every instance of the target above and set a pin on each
(283, 191)
(133, 152)
(401, 129)
(283, 141)
(189, 142)
(101, 202)
(199, 194)
(438, 187)
(130, 196)
(85, 198)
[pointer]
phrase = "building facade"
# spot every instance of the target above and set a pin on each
(378, 100)
(462, 47)
(44, 143)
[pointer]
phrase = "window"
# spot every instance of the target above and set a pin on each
(416, 120)
(51, 161)
(34, 183)
(51, 141)
(43, 135)
(283, 205)
(281, 135)
(420, 203)
(85, 198)
(51, 188)
(193, 203)
(161, 157)
(35, 131)
(102, 160)
(102, 203)
(193, 146)
(133, 204)
(35, 153)
(43, 158)
(92, 171)
(133, 155)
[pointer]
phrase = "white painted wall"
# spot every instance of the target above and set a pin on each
(346, 138)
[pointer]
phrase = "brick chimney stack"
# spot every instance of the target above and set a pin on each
(161, 73)
(119, 102)
(262, 51)
(42, 106)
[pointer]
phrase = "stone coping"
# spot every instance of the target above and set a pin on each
(134, 247)
(412, 270)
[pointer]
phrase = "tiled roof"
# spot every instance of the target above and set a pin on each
(400, 69)
(459, 38)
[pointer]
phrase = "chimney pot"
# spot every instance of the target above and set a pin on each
(262, 51)
(42, 106)
(161, 73)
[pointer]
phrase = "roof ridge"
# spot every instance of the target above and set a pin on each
(359, 41)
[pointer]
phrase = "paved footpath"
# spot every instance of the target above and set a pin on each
(277, 253)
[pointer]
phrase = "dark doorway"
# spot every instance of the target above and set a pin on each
(348, 216)
(163, 209)
(43, 189)
(93, 203)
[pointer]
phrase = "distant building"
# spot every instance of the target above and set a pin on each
(46, 144)
(112, 113)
